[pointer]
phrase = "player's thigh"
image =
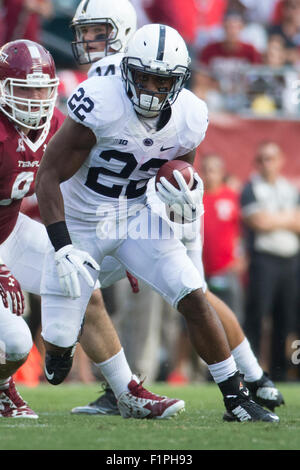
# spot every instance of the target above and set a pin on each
(163, 264)
(23, 252)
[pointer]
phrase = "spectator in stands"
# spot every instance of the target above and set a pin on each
(206, 87)
(229, 59)
(231, 50)
(276, 54)
(22, 18)
(271, 213)
(222, 255)
(288, 28)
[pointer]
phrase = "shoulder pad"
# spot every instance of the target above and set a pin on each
(193, 119)
(98, 102)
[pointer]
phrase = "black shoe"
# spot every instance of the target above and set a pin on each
(265, 393)
(56, 367)
(106, 404)
(241, 408)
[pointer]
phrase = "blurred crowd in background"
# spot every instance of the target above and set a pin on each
(246, 66)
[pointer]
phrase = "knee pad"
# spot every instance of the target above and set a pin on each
(15, 339)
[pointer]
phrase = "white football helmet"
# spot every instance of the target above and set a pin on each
(158, 50)
(119, 18)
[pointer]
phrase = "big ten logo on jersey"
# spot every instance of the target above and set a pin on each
(107, 70)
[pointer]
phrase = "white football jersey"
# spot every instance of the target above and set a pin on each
(108, 65)
(126, 155)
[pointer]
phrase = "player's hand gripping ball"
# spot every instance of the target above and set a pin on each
(179, 186)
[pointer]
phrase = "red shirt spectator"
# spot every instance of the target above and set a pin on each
(221, 229)
(221, 218)
(242, 52)
(231, 48)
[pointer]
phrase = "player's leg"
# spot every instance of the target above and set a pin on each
(174, 276)
(24, 253)
(262, 388)
(62, 319)
(15, 345)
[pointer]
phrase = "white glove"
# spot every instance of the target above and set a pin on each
(70, 262)
(183, 201)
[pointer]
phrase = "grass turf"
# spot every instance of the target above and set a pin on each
(200, 427)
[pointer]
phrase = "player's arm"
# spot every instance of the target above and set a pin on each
(65, 154)
(188, 157)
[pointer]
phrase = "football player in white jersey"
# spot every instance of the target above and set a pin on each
(92, 200)
(101, 31)
(89, 19)
(28, 120)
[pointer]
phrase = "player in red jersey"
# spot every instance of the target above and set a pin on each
(28, 120)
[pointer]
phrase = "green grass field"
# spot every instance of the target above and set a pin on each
(199, 427)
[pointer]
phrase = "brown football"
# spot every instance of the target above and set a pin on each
(185, 169)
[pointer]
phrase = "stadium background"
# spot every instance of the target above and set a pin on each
(256, 102)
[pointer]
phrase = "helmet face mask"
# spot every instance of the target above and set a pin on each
(117, 20)
(160, 52)
(28, 84)
(104, 42)
(149, 102)
(31, 113)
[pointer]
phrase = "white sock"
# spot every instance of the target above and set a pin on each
(223, 370)
(117, 372)
(247, 362)
(4, 383)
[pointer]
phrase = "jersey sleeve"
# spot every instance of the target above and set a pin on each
(96, 104)
(195, 123)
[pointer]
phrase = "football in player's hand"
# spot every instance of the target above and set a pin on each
(185, 169)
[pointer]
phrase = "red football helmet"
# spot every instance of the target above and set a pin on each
(26, 64)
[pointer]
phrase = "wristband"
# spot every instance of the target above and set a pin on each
(59, 235)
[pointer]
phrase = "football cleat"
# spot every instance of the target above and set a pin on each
(241, 408)
(139, 403)
(57, 367)
(265, 393)
(106, 404)
(12, 404)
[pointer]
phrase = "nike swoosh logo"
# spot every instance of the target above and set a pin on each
(162, 149)
(49, 376)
